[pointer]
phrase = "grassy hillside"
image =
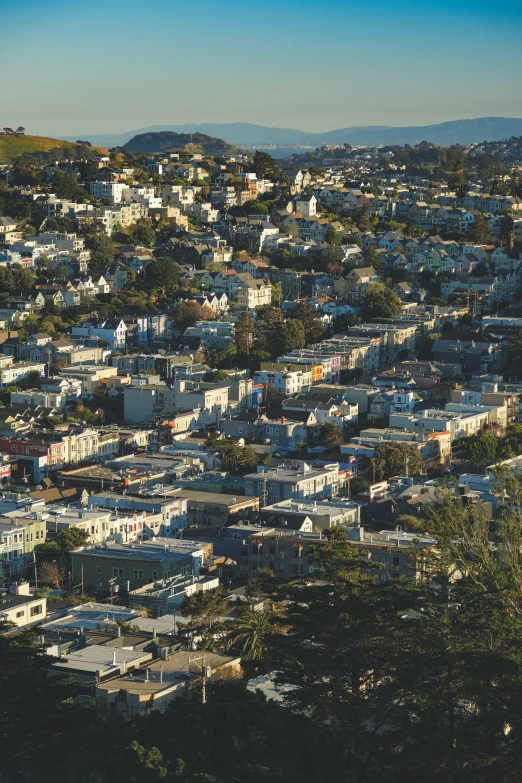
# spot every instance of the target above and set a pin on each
(12, 146)
(169, 141)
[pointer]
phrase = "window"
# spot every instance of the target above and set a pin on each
(383, 559)
(98, 569)
(281, 566)
(295, 568)
(117, 573)
(20, 614)
(396, 561)
(36, 610)
(271, 550)
(138, 573)
(154, 574)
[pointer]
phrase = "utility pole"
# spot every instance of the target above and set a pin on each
(206, 672)
(407, 466)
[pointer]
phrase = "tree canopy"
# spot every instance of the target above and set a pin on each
(395, 458)
(379, 301)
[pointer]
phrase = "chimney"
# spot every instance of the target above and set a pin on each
(114, 658)
(283, 420)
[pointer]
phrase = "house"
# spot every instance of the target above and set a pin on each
(112, 330)
(286, 433)
(284, 380)
(7, 226)
(306, 205)
(21, 608)
(253, 294)
(357, 281)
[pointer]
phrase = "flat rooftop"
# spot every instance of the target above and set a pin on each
(92, 617)
(164, 548)
(164, 674)
(98, 658)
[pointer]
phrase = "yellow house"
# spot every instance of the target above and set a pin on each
(317, 373)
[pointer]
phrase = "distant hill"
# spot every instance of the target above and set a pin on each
(247, 135)
(169, 141)
(12, 146)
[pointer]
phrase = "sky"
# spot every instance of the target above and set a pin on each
(110, 66)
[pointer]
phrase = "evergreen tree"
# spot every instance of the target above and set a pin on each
(313, 328)
(243, 334)
(480, 232)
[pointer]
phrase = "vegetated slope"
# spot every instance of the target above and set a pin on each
(13, 146)
(168, 141)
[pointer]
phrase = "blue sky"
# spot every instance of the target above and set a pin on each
(112, 66)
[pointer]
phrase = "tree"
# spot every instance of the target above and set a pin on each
(265, 166)
(327, 615)
(206, 609)
(66, 186)
(52, 574)
(216, 375)
(253, 208)
(188, 313)
(378, 301)
(514, 353)
(161, 274)
(332, 437)
(332, 257)
(396, 458)
(28, 694)
(250, 633)
(332, 237)
(27, 171)
(61, 273)
(235, 458)
(483, 447)
(66, 540)
(372, 257)
(61, 225)
(277, 294)
(142, 234)
(293, 335)
(480, 232)
(101, 246)
(15, 279)
(243, 333)
(89, 170)
(313, 328)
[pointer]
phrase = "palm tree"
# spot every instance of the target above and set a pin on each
(250, 633)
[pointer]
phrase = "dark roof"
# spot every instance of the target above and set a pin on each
(8, 601)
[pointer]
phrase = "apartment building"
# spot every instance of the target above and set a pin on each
(459, 424)
(285, 381)
(300, 482)
(12, 372)
(129, 566)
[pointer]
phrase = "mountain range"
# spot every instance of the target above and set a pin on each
(244, 134)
